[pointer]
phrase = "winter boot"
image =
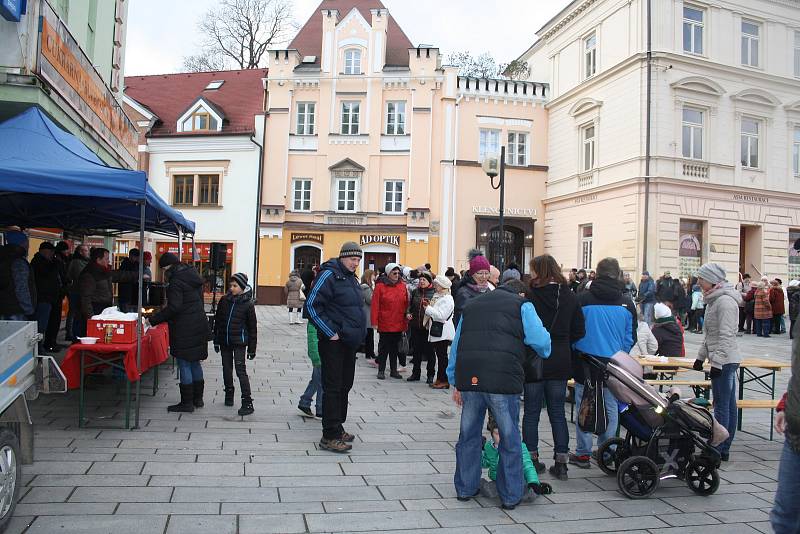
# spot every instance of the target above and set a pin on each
(247, 406)
(229, 396)
(559, 470)
(186, 404)
(197, 392)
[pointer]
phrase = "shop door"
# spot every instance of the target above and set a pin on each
(377, 261)
(306, 256)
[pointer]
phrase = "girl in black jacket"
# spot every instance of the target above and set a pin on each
(235, 329)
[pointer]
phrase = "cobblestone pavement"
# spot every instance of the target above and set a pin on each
(213, 472)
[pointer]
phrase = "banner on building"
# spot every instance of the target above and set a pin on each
(306, 236)
(370, 239)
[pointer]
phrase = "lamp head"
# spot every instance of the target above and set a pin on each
(491, 165)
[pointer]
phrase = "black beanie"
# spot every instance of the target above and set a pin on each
(168, 259)
(240, 279)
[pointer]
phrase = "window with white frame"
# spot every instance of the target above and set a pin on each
(393, 196)
(750, 138)
(797, 54)
(352, 61)
(585, 232)
(796, 152)
(306, 118)
(750, 38)
(301, 194)
(350, 117)
(588, 147)
(489, 144)
(517, 151)
(395, 118)
(346, 189)
(693, 23)
(590, 55)
(692, 133)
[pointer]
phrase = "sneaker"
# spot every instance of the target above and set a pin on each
(318, 415)
(347, 437)
(334, 445)
(247, 408)
(395, 374)
(538, 464)
(559, 470)
(505, 506)
(381, 376)
(465, 498)
(582, 461)
(306, 411)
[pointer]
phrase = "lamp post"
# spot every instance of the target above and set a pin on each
(496, 166)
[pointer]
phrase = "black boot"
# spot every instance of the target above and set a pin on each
(247, 406)
(229, 396)
(197, 398)
(186, 404)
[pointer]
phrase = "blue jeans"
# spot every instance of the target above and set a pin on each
(42, 316)
(648, 310)
(785, 516)
(763, 327)
(313, 389)
(584, 439)
(554, 392)
(190, 371)
(510, 479)
(723, 389)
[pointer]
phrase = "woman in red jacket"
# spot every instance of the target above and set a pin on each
(776, 300)
(388, 310)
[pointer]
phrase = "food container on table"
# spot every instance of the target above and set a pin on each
(88, 340)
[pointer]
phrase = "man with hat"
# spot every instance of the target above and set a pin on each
(17, 285)
(335, 306)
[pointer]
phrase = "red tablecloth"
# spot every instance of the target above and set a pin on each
(155, 350)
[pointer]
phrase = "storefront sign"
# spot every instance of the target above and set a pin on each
(520, 212)
(12, 10)
(64, 65)
(316, 238)
(750, 198)
(370, 239)
(203, 250)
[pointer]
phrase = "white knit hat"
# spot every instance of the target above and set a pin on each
(661, 311)
(391, 267)
(442, 281)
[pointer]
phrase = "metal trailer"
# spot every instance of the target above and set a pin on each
(24, 374)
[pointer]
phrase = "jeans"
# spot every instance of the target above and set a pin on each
(763, 327)
(584, 439)
(423, 351)
(338, 371)
(440, 349)
(190, 372)
(42, 316)
(554, 392)
(388, 345)
(648, 310)
(505, 409)
(314, 388)
(723, 389)
(785, 516)
(233, 357)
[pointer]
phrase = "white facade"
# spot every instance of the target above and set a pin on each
(724, 74)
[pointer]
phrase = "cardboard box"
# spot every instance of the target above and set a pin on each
(124, 331)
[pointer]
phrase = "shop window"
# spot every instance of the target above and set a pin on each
(693, 27)
(794, 255)
(393, 196)
(517, 152)
(489, 144)
(305, 118)
(586, 233)
(690, 247)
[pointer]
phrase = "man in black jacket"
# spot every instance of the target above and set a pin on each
(487, 368)
(336, 307)
(17, 284)
(49, 289)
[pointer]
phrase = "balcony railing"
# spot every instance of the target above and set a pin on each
(696, 170)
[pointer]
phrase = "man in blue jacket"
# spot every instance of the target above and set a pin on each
(336, 307)
(611, 323)
(487, 368)
(647, 297)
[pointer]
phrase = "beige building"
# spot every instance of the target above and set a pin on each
(370, 139)
(720, 176)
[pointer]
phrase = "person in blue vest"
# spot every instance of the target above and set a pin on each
(336, 307)
(611, 323)
(487, 367)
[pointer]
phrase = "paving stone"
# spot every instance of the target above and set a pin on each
(369, 521)
(713, 503)
(741, 516)
(116, 468)
(615, 524)
(168, 458)
(204, 481)
(248, 508)
(90, 480)
(532, 513)
(630, 508)
(57, 468)
(267, 524)
(299, 482)
(202, 524)
(466, 518)
(293, 469)
(688, 519)
(168, 508)
(45, 495)
(356, 493)
(364, 506)
(98, 524)
(229, 494)
(404, 468)
(18, 524)
(410, 492)
(422, 504)
(194, 469)
(739, 528)
(65, 508)
(146, 494)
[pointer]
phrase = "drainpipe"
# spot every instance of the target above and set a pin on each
(647, 136)
(453, 192)
(257, 243)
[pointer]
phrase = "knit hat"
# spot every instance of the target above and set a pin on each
(428, 276)
(450, 272)
(168, 259)
(391, 267)
(478, 263)
(794, 283)
(15, 237)
(350, 250)
(443, 281)
(645, 273)
(712, 273)
(661, 311)
(240, 279)
(46, 246)
(510, 274)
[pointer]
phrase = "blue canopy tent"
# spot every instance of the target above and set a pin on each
(49, 178)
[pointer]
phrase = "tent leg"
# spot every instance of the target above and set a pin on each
(139, 325)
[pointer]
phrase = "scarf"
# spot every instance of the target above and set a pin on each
(665, 320)
(716, 287)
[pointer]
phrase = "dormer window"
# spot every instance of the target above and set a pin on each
(201, 116)
(200, 120)
(352, 61)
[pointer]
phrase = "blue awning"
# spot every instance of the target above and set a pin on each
(49, 178)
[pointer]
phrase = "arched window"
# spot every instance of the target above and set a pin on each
(352, 61)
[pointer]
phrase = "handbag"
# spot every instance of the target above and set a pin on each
(437, 327)
(592, 412)
(403, 348)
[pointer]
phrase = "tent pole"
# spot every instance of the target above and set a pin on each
(139, 326)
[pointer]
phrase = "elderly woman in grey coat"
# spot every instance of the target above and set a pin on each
(367, 288)
(719, 346)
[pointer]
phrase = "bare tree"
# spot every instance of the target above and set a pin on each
(482, 66)
(237, 33)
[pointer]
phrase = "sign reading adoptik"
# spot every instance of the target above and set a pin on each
(369, 239)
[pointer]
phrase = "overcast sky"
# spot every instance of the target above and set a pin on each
(161, 33)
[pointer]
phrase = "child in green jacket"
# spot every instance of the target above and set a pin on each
(315, 384)
(490, 458)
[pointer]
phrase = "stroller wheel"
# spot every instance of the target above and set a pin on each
(701, 477)
(611, 454)
(638, 477)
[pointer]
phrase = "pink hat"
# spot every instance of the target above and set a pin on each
(478, 263)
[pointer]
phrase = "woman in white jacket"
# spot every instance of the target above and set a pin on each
(440, 311)
(646, 342)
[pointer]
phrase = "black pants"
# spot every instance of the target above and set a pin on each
(423, 351)
(776, 324)
(440, 349)
(742, 317)
(388, 345)
(233, 357)
(338, 371)
(53, 324)
(369, 344)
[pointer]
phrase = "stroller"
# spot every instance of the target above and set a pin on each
(665, 438)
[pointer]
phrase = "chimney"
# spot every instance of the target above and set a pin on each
(380, 24)
(330, 18)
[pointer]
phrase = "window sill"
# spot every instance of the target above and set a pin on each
(199, 206)
(394, 213)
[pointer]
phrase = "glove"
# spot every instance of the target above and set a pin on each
(542, 488)
(216, 349)
(698, 365)
(251, 355)
(715, 372)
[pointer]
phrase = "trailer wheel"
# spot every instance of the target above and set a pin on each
(10, 475)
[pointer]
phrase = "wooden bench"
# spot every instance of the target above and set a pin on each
(756, 404)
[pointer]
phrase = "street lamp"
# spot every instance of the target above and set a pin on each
(494, 165)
